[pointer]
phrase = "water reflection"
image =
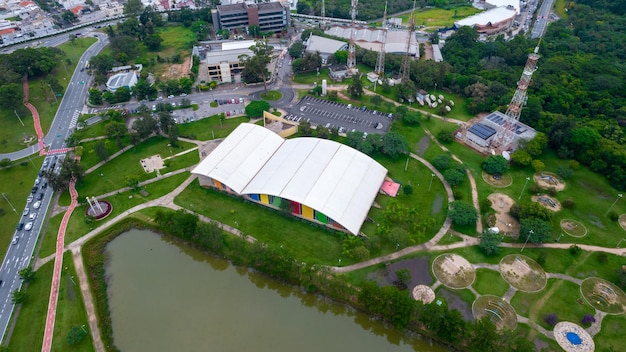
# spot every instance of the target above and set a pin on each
(167, 297)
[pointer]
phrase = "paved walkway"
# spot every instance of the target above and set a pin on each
(56, 276)
(36, 121)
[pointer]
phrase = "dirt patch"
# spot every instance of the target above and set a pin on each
(419, 269)
(502, 203)
(549, 180)
(573, 228)
(548, 202)
(454, 271)
(501, 313)
(422, 145)
(500, 181)
(603, 295)
(455, 302)
(152, 163)
(523, 273)
(176, 71)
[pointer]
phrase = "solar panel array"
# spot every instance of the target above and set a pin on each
(482, 131)
(500, 119)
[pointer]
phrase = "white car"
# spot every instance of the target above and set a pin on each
(25, 212)
(14, 240)
(29, 199)
(36, 205)
(28, 226)
(32, 216)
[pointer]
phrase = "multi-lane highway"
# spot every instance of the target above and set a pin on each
(539, 28)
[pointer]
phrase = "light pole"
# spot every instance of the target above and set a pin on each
(339, 261)
(7, 199)
(435, 89)
(558, 239)
(18, 117)
(530, 232)
(523, 188)
(431, 181)
(619, 196)
(618, 243)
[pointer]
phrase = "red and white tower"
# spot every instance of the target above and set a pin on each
(380, 62)
(514, 110)
(405, 68)
(351, 45)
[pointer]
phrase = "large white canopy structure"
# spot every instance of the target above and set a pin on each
(324, 175)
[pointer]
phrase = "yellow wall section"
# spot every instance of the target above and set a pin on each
(307, 212)
(218, 184)
(265, 199)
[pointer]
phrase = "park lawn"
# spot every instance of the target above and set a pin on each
(177, 40)
(183, 161)
(12, 132)
(595, 264)
(300, 239)
(612, 334)
(436, 17)
(523, 302)
(560, 8)
(108, 177)
(563, 302)
(312, 77)
(465, 294)
(15, 184)
(271, 95)
(27, 335)
(95, 130)
(78, 226)
(490, 282)
(89, 158)
(210, 127)
(70, 309)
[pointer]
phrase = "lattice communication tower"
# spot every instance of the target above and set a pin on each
(405, 68)
(380, 62)
(351, 46)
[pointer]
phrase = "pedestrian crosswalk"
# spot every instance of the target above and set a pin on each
(74, 119)
(58, 151)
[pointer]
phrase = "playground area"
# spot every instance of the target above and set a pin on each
(548, 202)
(499, 181)
(152, 163)
(573, 338)
(423, 293)
(523, 273)
(501, 313)
(502, 203)
(573, 228)
(549, 180)
(454, 271)
(603, 295)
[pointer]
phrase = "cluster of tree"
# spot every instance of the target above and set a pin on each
(495, 165)
(175, 87)
(70, 169)
(462, 213)
(49, 5)
(452, 171)
(369, 10)
(255, 66)
(534, 221)
(31, 62)
(308, 63)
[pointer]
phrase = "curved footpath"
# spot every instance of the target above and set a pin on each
(56, 276)
(36, 121)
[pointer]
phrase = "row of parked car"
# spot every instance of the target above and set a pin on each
(229, 101)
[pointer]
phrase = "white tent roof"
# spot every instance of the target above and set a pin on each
(327, 176)
(495, 15)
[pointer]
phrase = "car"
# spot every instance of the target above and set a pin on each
(14, 240)
(170, 96)
(183, 95)
(40, 173)
(28, 226)
(29, 199)
(45, 185)
(37, 204)
(364, 135)
(40, 196)
(241, 100)
(153, 107)
(46, 162)
(34, 189)
(26, 211)
(37, 180)
(20, 226)
(32, 216)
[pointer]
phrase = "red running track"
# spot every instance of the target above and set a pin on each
(56, 276)
(33, 110)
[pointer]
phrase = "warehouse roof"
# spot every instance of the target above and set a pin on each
(327, 176)
(324, 45)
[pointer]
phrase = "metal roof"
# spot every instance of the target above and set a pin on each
(327, 176)
(324, 45)
(493, 16)
(482, 131)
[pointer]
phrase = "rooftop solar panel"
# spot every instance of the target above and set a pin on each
(482, 131)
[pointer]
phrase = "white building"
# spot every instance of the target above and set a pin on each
(127, 79)
(371, 38)
(325, 46)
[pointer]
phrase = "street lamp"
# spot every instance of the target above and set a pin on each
(619, 196)
(620, 242)
(431, 181)
(523, 188)
(558, 239)
(339, 261)
(530, 232)
(435, 88)
(7, 199)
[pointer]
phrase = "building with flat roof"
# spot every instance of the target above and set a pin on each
(325, 46)
(127, 79)
(321, 180)
(222, 59)
(492, 21)
(371, 38)
(270, 16)
(483, 133)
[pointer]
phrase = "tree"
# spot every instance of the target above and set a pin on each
(394, 145)
(27, 275)
(401, 111)
(153, 42)
(490, 243)
(322, 132)
(355, 89)
(403, 278)
(521, 157)
(535, 230)
(69, 16)
(311, 61)
(11, 95)
(172, 134)
(133, 7)
(495, 164)
(18, 297)
(122, 94)
(145, 126)
(483, 335)
(116, 129)
(70, 169)
(538, 165)
(75, 335)
(442, 162)
(95, 96)
(254, 30)
(256, 108)
(101, 151)
(305, 129)
(341, 56)
(462, 213)
(296, 49)
(376, 100)
(454, 175)
(255, 67)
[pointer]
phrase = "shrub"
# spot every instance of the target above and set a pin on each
(534, 188)
(552, 191)
(551, 319)
(564, 172)
(445, 137)
(602, 258)
(485, 204)
(457, 193)
(574, 250)
(541, 259)
(408, 190)
(613, 215)
(568, 203)
(588, 319)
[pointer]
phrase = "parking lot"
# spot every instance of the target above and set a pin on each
(345, 117)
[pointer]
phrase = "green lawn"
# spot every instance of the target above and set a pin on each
(210, 127)
(176, 40)
(271, 95)
(15, 183)
(78, 226)
(560, 8)
(436, 17)
(612, 334)
(490, 282)
(92, 131)
(563, 303)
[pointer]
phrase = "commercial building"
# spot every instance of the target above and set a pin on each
(483, 133)
(222, 59)
(270, 16)
(315, 179)
(494, 20)
(118, 80)
(325, 46)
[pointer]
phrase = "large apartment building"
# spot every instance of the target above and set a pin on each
(270, 16)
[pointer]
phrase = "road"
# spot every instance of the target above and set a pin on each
(539, 28)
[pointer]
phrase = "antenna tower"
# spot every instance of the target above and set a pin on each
(514, 110)
(323, 14)
(380, 62)
(351, 46)
(405, 69)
